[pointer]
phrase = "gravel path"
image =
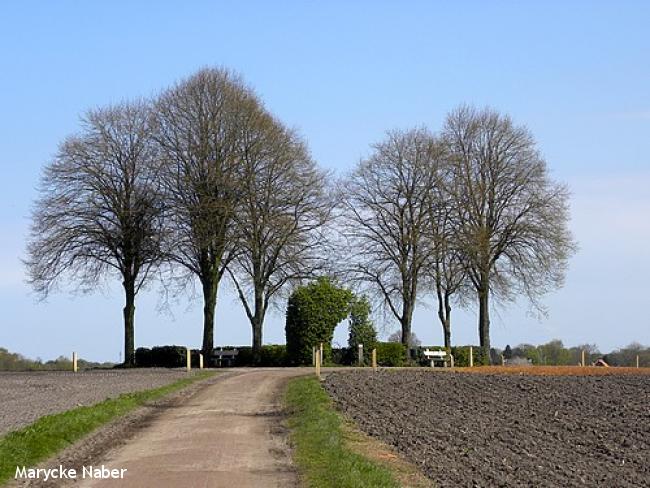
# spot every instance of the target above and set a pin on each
(481, 430)
(229, 434)
(24, 397)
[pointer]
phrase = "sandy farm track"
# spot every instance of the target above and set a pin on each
(24, 397)
(485, 430)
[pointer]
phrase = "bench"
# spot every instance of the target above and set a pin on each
(224, 357)
(440, 356)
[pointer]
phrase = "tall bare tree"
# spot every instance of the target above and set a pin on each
(279, 219)
(385, 204)
(512, 216)
(446, 268)
(99, 211)
(200, 122)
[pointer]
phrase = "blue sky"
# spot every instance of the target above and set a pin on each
(342, 73)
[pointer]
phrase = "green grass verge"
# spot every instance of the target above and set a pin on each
(52, 433)
(319, 444)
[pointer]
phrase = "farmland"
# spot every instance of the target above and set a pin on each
(547, 429)
(28, 396)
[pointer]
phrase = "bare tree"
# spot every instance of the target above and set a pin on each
(512, 216)
(199, 130)
(446, 269)
(99, 211)
(386, 217)
(281, 213)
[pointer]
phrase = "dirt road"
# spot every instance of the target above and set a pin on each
(229, 434)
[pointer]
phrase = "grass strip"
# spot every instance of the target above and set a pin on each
(52, 433)
(320, 449)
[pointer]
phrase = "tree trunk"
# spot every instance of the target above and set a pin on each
(257, 341)
(407, 315)
(258, 320)
(484, 320)
(210, 288)
(444, 314)
(129, 323)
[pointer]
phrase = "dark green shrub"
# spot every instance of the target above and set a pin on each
(390, 353)
(313, 313)
(274, 355)
(168, 356)
(143, 358)
(342, 356)
(164, 357)
(244, 356)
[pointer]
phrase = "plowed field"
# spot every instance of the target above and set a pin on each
(24, 397)
(486, 430)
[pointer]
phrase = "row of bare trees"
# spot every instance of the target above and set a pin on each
(200, 182)
(465, 214)
(203, 182)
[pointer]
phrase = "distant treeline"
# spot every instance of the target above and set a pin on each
(10, 361)
(554, 353)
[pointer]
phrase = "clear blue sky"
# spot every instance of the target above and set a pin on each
(576, 73)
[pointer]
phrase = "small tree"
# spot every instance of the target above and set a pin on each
(362, 330)
(313, 313)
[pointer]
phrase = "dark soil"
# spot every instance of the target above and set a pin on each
(24, 397)
(506, 430)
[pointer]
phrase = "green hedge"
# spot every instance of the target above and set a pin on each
(272, 355)
(390, 354)
(162, 357)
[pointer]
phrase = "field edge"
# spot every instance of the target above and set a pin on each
(51, 434)
(322, 442)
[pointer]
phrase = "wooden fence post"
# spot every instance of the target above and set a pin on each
(503, 360)
(188, 355)
(583, 359)
(471, 357)
(360, 354)
(74, 362)
(374, 359)
(321, 354)
(313, 355)
(200, 361)
(318, 364)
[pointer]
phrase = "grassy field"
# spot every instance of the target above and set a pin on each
(52, 433)
(319, 443)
